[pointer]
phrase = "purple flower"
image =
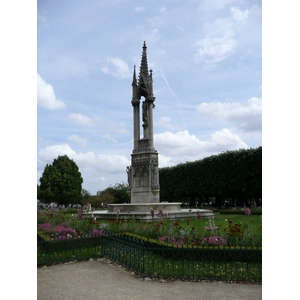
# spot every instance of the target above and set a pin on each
(152, 212)
(63, 230)
(247, 211)
(46, 227)
(160, 214)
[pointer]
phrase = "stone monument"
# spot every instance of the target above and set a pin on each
(143, 174)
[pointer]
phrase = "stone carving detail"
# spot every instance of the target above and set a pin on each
(154, 160)
(143, 144)
(140, 161)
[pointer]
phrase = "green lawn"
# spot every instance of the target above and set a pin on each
(254, 221)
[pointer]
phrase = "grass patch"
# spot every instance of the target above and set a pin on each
(253, 220)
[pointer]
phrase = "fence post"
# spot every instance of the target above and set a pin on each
(143, 273)
(102, 250)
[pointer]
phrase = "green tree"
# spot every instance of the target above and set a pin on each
(116, 194)
(108, 196)
(61, 182)
(38, 192)
(120, 193)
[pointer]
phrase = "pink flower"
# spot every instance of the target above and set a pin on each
(247, 211)
(46, 227)
(213, 240)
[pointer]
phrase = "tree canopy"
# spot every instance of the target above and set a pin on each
(61, 182)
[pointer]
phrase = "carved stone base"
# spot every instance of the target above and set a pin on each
(143, 176)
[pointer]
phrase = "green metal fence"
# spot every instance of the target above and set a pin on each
(154, 259)
(150, 258)
(53, 250)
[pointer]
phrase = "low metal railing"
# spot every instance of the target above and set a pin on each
(152, 258)
(52, 250)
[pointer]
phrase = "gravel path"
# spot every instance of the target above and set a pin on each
(100, 279)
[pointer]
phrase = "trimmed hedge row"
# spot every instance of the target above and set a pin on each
(232, 174)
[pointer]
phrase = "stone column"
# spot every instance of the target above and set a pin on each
(150, 101)
(136, 123)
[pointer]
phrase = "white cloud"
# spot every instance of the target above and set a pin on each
(81, 119)
(210, 5)
(165, 161)
(219, 39)
(165, 122)
(182, 147)
(245, 118)
(77, 139)
(217, 44)
(108, 137)
(224, 138)
(90, 164)
(162, 9)
(213, 50)
(239, 15)
(116, 67)
(46, 96)
(47, 155)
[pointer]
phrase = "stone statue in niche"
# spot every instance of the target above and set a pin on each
(145, 114)
(128, 170)
(154, 177)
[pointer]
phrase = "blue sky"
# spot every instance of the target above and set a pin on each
(206, 58)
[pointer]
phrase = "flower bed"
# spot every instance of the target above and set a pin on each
(177, 233)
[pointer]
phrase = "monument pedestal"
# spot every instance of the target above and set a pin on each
(142, 212)
(144, 207)
(144, 176)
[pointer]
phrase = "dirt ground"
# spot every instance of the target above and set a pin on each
(101, 279)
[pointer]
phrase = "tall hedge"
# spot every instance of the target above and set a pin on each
(232, 174)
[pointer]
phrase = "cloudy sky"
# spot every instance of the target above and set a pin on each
(206, 58)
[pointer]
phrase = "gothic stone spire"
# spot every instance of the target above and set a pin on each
(144, 82)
